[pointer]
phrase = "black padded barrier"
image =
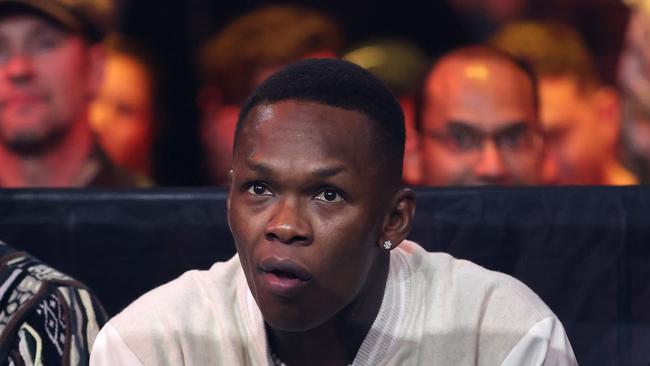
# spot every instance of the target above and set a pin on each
(584, 250)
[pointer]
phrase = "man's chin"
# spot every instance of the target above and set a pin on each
(290, 325)
(292, 320)
(30, 144)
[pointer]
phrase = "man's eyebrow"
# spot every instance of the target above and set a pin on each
(41, 29)
(259, 167)
(514, 127)
(329, 171)
(509, 127)
(462, 126)
(266, 169)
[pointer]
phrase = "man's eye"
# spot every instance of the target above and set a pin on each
(125, 109)
(329, 195)
(46, 42)
(515, 140)
(512, 140)
(259, 189)
(463, 141)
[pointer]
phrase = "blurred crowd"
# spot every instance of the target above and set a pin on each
(508, 92)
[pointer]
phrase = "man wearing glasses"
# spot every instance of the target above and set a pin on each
(479, 122)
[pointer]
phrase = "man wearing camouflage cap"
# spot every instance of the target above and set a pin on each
(51, 61)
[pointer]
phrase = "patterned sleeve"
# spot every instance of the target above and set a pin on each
(58, 329)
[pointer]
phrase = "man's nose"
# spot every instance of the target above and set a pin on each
(490, 166)
(289, 223)
(19, 68)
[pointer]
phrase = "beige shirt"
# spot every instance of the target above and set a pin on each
(436, 310)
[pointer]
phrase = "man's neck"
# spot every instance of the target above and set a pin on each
(338, 340)
(63, 165)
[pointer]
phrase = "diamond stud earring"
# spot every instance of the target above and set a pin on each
(388, 244)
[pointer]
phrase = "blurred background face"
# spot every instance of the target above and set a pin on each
(479, 126)
(579, 113)
(242, 55)
(578, 141)
(122, 113)
(43, 82)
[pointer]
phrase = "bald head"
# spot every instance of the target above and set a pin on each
(473, 74)
(479, 121)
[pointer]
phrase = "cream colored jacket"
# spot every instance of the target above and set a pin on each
(436, 310)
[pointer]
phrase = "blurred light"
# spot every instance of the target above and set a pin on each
(479, 72)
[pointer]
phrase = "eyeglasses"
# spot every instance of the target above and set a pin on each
(462, 138)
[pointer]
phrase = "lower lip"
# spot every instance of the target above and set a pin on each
(283, 286)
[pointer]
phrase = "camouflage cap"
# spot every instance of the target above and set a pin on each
(92, 18)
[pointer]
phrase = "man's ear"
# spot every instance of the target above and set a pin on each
(398, 222)
(96, 65)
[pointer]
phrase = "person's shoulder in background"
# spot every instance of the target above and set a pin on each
(46, 317)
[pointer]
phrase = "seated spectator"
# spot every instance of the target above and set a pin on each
(241, 56)
(579, 115)
(50, 64)
(479, 121)
(46, 317)
(401, 65)
(634, 79)
(124, 115)
(323, 275)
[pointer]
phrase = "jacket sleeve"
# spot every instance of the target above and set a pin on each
(545, 344)
(57, 328)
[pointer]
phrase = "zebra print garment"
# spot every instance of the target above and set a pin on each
(46, 317)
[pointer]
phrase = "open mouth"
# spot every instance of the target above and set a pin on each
(283, 274)
(284, 268)
(284, 278)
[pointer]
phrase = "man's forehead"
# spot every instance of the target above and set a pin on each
(469, 90)
(477, 73)
(297, 118)
(301, 128)
(562, 86)
(29, 22)
(303, 165)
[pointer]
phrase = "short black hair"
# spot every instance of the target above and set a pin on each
(341, 84)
